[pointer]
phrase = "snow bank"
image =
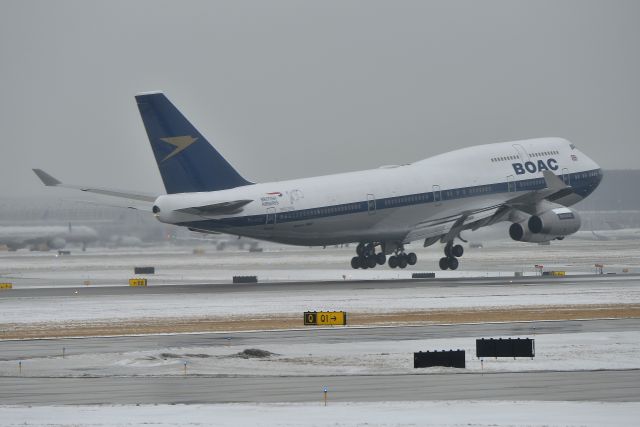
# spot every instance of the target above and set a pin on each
(451, 413)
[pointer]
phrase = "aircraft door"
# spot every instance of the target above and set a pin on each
(437, 195)
(566, 176)
(511, 186)
(371, 204)
(522, 153)
(271, 219)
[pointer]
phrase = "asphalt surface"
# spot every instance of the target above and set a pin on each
(620, 386)
(26, 349)
(574, 385)
(61, 290)
(608, 385)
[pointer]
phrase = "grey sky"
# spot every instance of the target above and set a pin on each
(287, 89)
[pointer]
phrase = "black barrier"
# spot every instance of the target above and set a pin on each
(423, 275)
(510, 347)
(245, 279)
(144, 270)
(450, 359)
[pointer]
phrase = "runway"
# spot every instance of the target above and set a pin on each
(26, 349)
(293, 286)
(115, 310)
(88, 388)
(355, 363)
(605, 386)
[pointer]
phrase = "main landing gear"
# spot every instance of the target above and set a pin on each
(401, 260)
(368, 258)
(451, 255)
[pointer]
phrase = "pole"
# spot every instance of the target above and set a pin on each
(63, 351)
(325, 396)
(185, 367)
(20, 367)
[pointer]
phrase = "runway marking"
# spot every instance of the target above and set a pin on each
(147, 326)
(321, 328)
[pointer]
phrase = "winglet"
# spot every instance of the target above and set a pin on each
(553, 181)
(46, 179)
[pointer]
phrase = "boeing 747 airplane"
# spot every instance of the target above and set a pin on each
(530, 183)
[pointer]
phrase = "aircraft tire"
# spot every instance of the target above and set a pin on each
(447, 251)
(360, 249)
(363, 262)
(381, 258)
(371, 261)
(444, 263)
(453, 263)
(402, 261)
(393, 261)
(369, 250)
(355, 262)
(412, 258)
(457, 251)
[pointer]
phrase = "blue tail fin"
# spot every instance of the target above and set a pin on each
(187, 162)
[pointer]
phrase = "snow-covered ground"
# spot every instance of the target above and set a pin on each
(445, 414)
(78, 307)
(561, 352)
(175, 264)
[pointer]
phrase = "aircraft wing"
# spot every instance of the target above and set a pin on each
(556, 189)
(447, 228)
(146, 199)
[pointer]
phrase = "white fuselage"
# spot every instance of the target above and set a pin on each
(397, 203)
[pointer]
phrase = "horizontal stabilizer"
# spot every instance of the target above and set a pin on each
(50, 181)
(222, 208)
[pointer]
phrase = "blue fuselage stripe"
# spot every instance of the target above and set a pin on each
(582, 183)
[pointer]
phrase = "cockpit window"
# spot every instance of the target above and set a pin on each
(573, 147)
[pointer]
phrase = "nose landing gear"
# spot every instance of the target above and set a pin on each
(451, 255)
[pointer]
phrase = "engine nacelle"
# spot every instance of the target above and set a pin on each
(552, 224)
(559, 222)
(519, 232)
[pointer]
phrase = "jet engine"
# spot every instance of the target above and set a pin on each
(555, 223)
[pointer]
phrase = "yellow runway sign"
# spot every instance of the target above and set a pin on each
(320, 318)
(6, 285)
(137, 282)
